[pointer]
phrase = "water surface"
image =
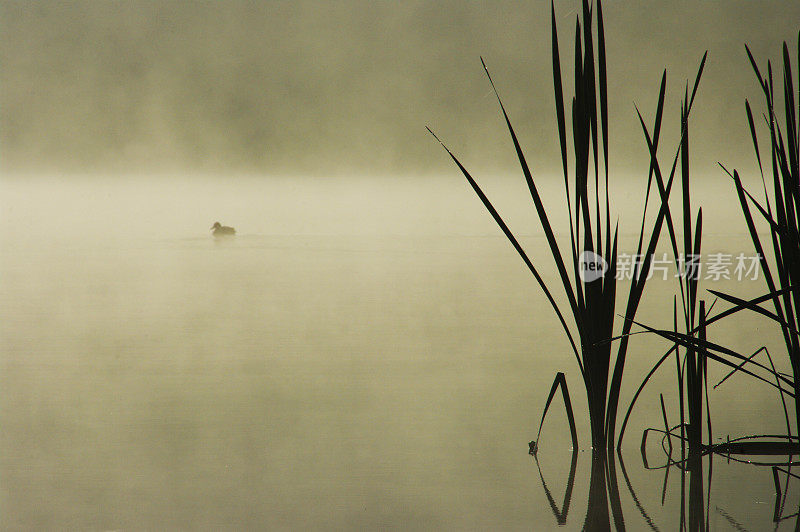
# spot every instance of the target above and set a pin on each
(364, 354)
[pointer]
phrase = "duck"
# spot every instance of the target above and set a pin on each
(222, 230)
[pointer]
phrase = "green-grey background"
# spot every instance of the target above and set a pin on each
(343, 87)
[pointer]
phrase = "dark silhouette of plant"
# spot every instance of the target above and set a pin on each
(782, 212)
(592, 302)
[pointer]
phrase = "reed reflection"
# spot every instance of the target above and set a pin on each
(603, 499)
(696, 464)
(560, 514)
(695, 470)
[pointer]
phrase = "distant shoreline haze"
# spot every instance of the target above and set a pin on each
(348, 87)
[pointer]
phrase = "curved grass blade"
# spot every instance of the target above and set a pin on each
(516, 245)
(639, 391)
(734, 310)
(695, 343)
(562, 131)
(755, 308)
(753, 135)
(540, 210)
(772, 365)
(559, 382)
(603, 82)
(767, 214)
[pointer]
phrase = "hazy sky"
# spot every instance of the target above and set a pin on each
(349, 86)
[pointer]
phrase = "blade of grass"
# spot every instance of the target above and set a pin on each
(695, 343)
(559, 382)
(540, 210)
(755, 308)
(516, 245)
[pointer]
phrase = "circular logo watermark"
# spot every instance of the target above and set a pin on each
(591, 266)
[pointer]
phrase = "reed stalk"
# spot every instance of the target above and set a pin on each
(780, 212)
(591, 302)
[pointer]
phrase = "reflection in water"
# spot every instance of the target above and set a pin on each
(781, 495)
(603, 493)
(604, 507)
(698, 515)
(561, 515)
(597, 516)
(154, 377)
(636, 501)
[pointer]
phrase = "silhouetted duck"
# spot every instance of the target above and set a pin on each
(222, 230)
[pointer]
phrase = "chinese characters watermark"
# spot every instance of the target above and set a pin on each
(710, 267)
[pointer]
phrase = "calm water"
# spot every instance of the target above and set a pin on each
(364, 354)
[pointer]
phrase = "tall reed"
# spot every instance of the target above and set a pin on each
(695, 359)
(782, 212)
(692, 375)
(591, 302)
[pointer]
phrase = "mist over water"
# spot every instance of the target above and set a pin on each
(367, 352)
(323, 88)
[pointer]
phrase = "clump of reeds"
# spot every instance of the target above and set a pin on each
(591, 303)
(691, 370)
(782, 212)
(694, 367)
